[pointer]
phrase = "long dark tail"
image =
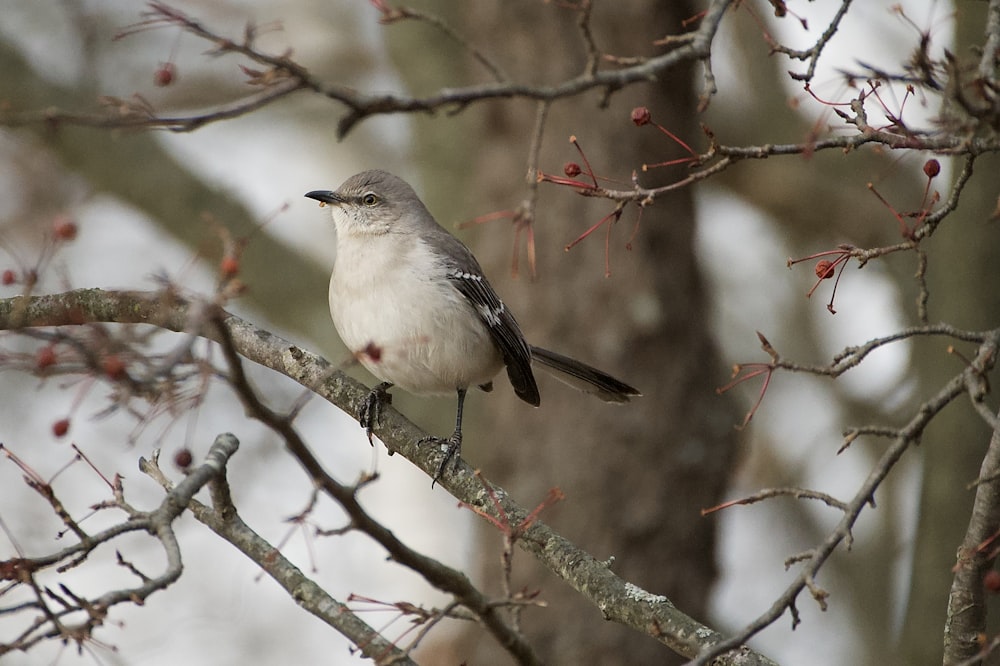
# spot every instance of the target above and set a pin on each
(584, 377)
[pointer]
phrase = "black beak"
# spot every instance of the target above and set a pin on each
(324, 196)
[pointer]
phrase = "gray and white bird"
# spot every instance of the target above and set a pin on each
(410, 301)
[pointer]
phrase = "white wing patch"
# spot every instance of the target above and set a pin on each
(502, 328)
(490, 314)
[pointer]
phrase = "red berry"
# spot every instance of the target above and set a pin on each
(372, 351)
(9, 277)
(572, 169)
(992, 580)
(164, 74)
(229, 266)
(641, 116)
(183, 458)
(113, 366)
(824, 269)
(932, 168)
(45, 357)
(60, 427)
(64, 228)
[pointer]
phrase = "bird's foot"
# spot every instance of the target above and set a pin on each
(452, 452)
(370, 411)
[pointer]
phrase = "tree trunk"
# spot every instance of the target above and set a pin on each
(635, 476)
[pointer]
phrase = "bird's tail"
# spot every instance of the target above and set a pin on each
(584, 377)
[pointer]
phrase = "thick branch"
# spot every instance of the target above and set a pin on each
(966, 622)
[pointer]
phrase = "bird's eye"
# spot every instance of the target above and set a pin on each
(369, 199)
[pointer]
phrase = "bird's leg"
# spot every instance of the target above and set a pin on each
(370, 412)
(454, 443)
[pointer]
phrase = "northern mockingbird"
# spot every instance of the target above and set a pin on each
(411, 303)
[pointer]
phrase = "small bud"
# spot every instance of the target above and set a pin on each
(641, 116)
(165, 74)
(229, 266)
(183, 458)
(932, 168)
(824, 269)
(991, 581)
(60, 427)
(64, 228)
(113, 366)
(9, 277)
(572, 169)
(45, 357)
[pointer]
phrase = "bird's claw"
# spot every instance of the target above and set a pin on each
(370, 411)
(453, 452)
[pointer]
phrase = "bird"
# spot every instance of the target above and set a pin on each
(412, 304)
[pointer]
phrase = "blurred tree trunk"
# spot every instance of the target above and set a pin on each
(635, 476)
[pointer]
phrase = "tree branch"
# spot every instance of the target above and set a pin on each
(437, 574)
(618, 599)
(966, 621)
(291, 76)
(158, 522)
(223, 519)
(903, 439)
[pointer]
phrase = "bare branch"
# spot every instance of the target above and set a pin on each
(903, 439)
(436, 573)
(813, 53)
(394, 14)
(966, 621)
(618, 599)
(223, 519)
(291, 76)
(159, 523)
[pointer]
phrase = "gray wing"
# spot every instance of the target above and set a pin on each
(467, 276)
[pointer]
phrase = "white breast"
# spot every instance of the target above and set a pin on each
(407, 326)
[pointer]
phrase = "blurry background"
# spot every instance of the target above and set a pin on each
(706, 270)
